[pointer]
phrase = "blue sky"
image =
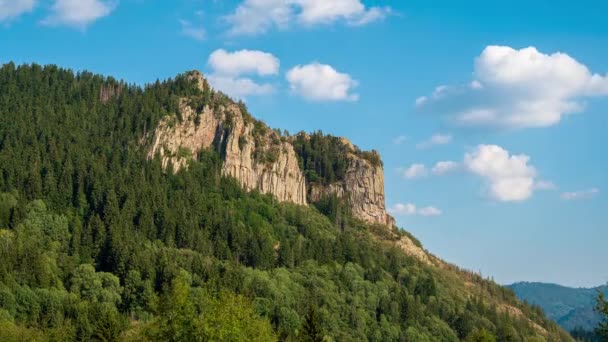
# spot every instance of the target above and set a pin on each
(511, 98)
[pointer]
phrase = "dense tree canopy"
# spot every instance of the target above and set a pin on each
(99, 243)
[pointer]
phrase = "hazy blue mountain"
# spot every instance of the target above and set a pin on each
(569, 307)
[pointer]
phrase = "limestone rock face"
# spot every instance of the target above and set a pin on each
(258, 158)
(362, 187)
(279, 174)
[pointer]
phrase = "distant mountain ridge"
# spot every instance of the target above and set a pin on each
(569, 307)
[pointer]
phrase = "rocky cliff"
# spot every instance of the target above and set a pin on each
(362, 186)
(260, 158)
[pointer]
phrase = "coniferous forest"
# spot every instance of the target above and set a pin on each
(97, 243)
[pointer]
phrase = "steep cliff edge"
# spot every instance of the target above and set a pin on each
(361, 186)
(253, 154)
(261, 158)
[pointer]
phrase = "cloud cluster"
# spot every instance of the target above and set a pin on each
(508, 177)
(410, 209)
(259, 16)
(321, 82)
(78, 13)
(232, 70)
(10, 9)
(418, 170)
(517, 89)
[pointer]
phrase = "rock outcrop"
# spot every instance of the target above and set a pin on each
(259, 161)
(362, 187)
(259, 158)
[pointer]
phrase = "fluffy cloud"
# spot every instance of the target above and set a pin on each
(410, 209)
(443, 167)
(321, 82)
(353, 11)
(419, 170)
(239, 87)
(517, 89)
(578, 195)
(10, 9)
(78, 13)
(258, 16)
(435, 140)
(244, 62)
(230, 68)
(509, 177)
(415, 171)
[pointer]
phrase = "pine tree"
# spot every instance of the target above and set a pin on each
(312, 330)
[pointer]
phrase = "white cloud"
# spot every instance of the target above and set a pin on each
(259, 16)
(78, 13)
(443, 167)
(353, 11)
(517, 89)
(239, 87)
(410, 209)
(509, 177)
(193, 31)
(321, 82)
(578, 195)
(435, 140)
(415, 171)
(229, 68)
(371, 15)
(429, 211)
(10, 9)
(403, 209)
(244, 62)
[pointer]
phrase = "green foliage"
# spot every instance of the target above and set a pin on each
(192, 314)
(184, 152)
(480, 335)
(602, 308)
(324, 158)
(242, 142)
(99, 243)
(312, 330)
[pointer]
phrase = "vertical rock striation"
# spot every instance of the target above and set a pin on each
(362, 187)
(226, 128)
(259, 158)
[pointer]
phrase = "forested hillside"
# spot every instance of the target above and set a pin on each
(99, 243)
